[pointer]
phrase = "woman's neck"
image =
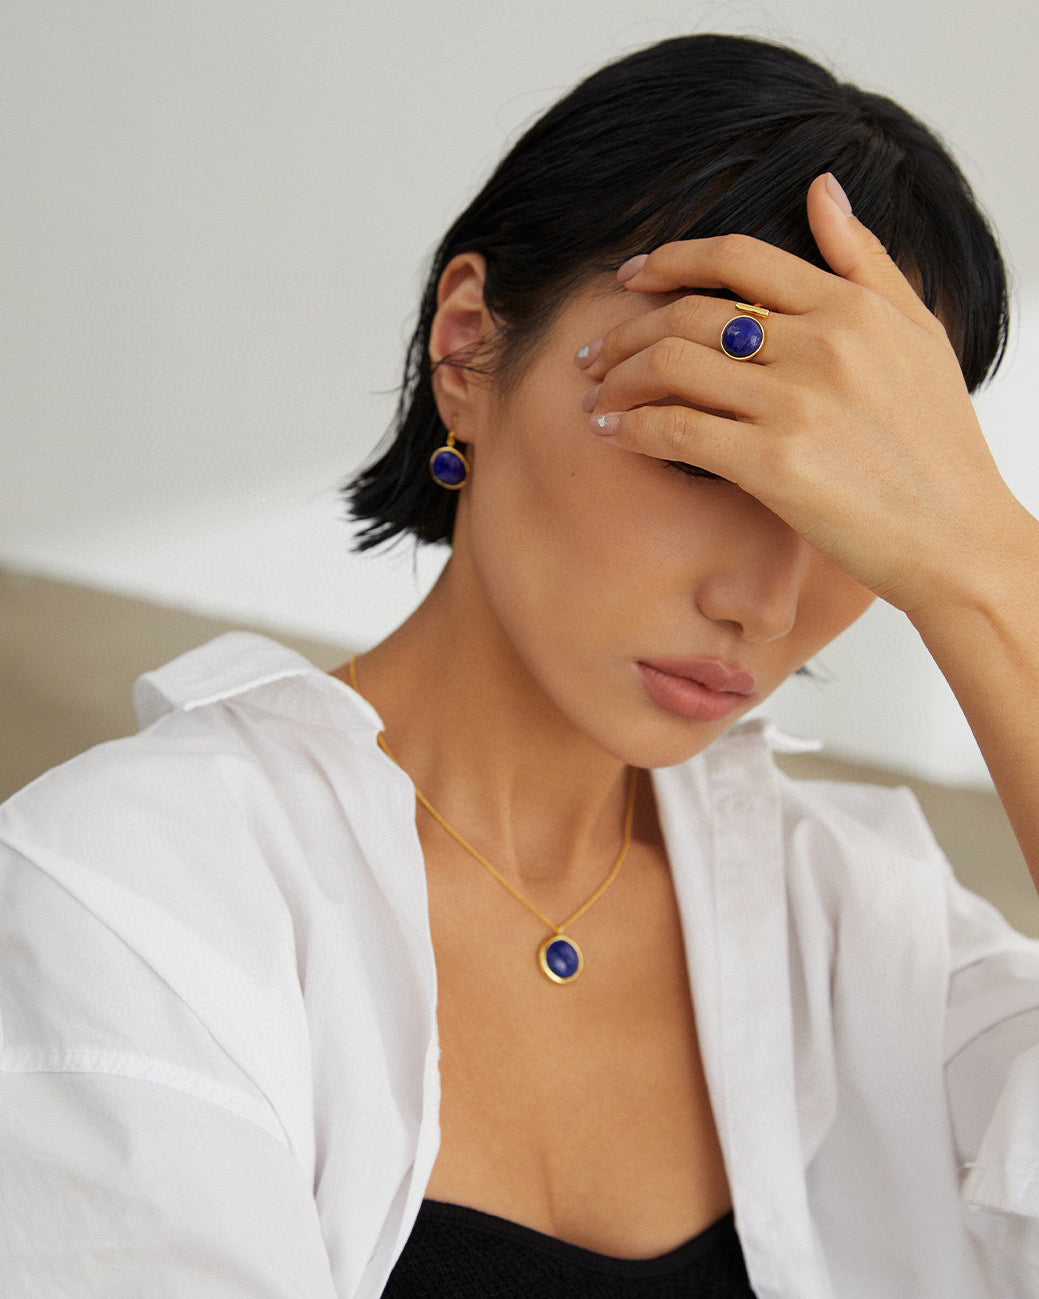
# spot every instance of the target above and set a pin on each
(491, 752)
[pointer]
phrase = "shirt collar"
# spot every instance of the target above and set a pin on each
(229, 666)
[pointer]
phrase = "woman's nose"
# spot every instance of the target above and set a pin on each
(757, 578)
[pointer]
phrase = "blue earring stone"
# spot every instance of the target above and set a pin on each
(560, 959)
(742, 337)
(449, 468)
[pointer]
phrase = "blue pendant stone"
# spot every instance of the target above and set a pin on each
(742, 337)
(562, 959)
(449, 468)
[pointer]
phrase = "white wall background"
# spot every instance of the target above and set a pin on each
(217, 217)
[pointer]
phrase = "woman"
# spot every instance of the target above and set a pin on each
(614, 1009)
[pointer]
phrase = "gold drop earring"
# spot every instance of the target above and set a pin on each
(448, 467)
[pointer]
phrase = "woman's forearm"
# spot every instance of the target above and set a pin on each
(984, 636)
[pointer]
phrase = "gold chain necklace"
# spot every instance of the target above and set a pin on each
(559, 957)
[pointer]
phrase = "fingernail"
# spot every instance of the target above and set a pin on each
(605, 425)
(835, 191)
(587, 354)
(631, 267)
(591, 397)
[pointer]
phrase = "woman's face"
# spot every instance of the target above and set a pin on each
(617, 578)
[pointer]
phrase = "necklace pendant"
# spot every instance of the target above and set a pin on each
(560, 959)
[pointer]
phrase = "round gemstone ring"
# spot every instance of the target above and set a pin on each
(743, 336)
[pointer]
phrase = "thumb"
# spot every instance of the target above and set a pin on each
(854, 252)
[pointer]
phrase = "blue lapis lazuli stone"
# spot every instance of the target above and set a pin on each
(448, 468)
(742, 337)
(562, 959)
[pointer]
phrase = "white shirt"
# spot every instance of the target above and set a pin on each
(219, 1071)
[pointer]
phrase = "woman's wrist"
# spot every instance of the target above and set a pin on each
(985, 580)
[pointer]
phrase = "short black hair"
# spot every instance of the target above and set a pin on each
(695, 136)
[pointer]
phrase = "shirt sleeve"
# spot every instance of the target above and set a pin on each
(992, 1054)
(136, 1157)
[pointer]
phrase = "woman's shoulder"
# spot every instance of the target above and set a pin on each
(228, 705)
(835, 847)
(863, 815)
(153, 896)
(241, 741)
(739, 778)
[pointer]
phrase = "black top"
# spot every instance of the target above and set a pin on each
(462, 1253)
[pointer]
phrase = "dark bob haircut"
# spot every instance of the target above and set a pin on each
(657, 147)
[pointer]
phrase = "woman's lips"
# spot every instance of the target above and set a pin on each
(701, 689)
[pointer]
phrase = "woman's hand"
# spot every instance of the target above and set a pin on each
(853, 422)
(854, 425)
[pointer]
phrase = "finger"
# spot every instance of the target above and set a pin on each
(855, 253)
(752, 270)
(699, 319)
(680, 370)
(681, 433)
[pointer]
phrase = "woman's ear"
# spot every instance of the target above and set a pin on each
(461, 324)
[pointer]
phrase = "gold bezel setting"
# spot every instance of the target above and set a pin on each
(547, 970)
(450, 487)
(745, 356)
